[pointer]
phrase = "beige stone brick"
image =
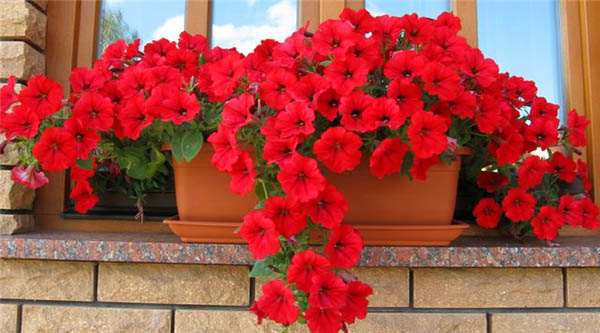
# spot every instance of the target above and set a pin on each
(43, 4)
(213, 321)
(21, 60)
(173, 284)
(8, 318)
(390, 285)
(487, 287)
(545, 322)
(14, 194)
(94, 319)
(421, 322)
(46, 280)
(12, 224)
(583, 287)
(21, 20)
(11, 153)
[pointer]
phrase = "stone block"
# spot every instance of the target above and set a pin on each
(14, 194)
(19, 59)
(545, 322)
(21, 20)
(13, 224)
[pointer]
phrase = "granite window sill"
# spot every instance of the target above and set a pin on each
(154, 248)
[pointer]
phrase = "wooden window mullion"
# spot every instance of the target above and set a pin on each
(466, 10)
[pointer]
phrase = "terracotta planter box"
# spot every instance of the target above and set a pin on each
(392, 211)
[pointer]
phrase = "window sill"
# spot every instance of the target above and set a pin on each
(166, 248)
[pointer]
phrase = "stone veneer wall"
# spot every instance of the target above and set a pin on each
(53, 296)
(22, 44)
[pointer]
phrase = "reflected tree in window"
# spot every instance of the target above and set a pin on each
(113, 28)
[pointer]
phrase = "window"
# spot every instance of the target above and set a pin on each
(427, 8)
(523, 37)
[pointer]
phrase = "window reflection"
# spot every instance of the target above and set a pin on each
(428, 8)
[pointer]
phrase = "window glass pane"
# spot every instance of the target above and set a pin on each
(244, 23)
(523, 37)
(427, 8)
(144, 19)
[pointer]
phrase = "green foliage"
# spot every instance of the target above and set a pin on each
(186, 143)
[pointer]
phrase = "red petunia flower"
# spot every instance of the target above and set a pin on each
(531, 172)
(95, 111)
(287, 215)
(83, 79)
(476, 66)
(242, 174)
(356, 302)
(540, 108)
(7, 94)
(333, 37)
(226, 150)
(346, 74)
(56, 149)
(387, 30)
(323, 320)
(589, 214)
(562, 166)
(78, 174)
(388, 157)
(166, 76)
(361, 20)
(577, 125)
(338, 149)
(29, 176)
(407, 95)
(176, 106)
(275, 90)
(463, 105)
(510, 150)
(259, 231)
(84, 197)
(518, 205)
(134, 118)
(236, 113)
(367, 49)
(491, 181)
(384, 112)
(328, 103)
(185, 61)
(426, 134)
(301, 178)
(136, 80)
(404, 65)
(257, 309)
(296, 120)
(278, 303)
(419, 168)
(543, 132)
(488, 115)
(487, 213)
(86, 139)
(441, 81)
(42, 95)
(279, 150)
(582, 171)
(353, 108)
(344, 247)
(196, 43)
(569, 210)
(308, 88)
(417, 29)
(22, 121)
(546, 223)
(328, 208)
(327, 291)
(304, 267)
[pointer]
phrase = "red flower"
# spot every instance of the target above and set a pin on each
(136, 80)
(562, 166)
(518, 205)
(419, 168)
(259, 231)
(185, 61)
(86, 139)
(278, 303)
(407, 95)
(323, 320)
(546, 223)
(577, 125)
(345, 74)
(287, 215)
(95, 111)
(257, 309)
(519, 91)
(279, 150)
(242, 174)
(417, 29)
(491, 181)
(543, 132)
(463, 105)
(531, 172)
(388, 157)
(301, 178)
(84, 197)
(296, 120)
(344, 247)
(333, 37)
(236, 113)
(338, 149)
(327, 291)
(22, 121)
(328, 208)
(441, 81)
(305, 266)
(589, 214)
(308, 88)
(356, 302)
(540, 108)
(582, 171)
(488, 116)
(569, 210)
(29, 177)
(361, 20)
(175, 105)
(426, 134)
(7, 94)
(226, 150)
(328, 103)
(78, 174)
(42, 95)
(483, 70)
(404, 65)
(353, 108)
(275, 90)
(56, 149)
(488, 213)
(384, 112)
(134, 118)
(84, 79)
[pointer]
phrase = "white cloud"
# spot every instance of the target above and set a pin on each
(170, 29)
(251, 3)
(279, 24)
(374, 9)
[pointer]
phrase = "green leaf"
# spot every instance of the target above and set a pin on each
(325, 63)
(186, 144)
(134, 162)
(261, 268)
(86, 164)
(407, 164)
